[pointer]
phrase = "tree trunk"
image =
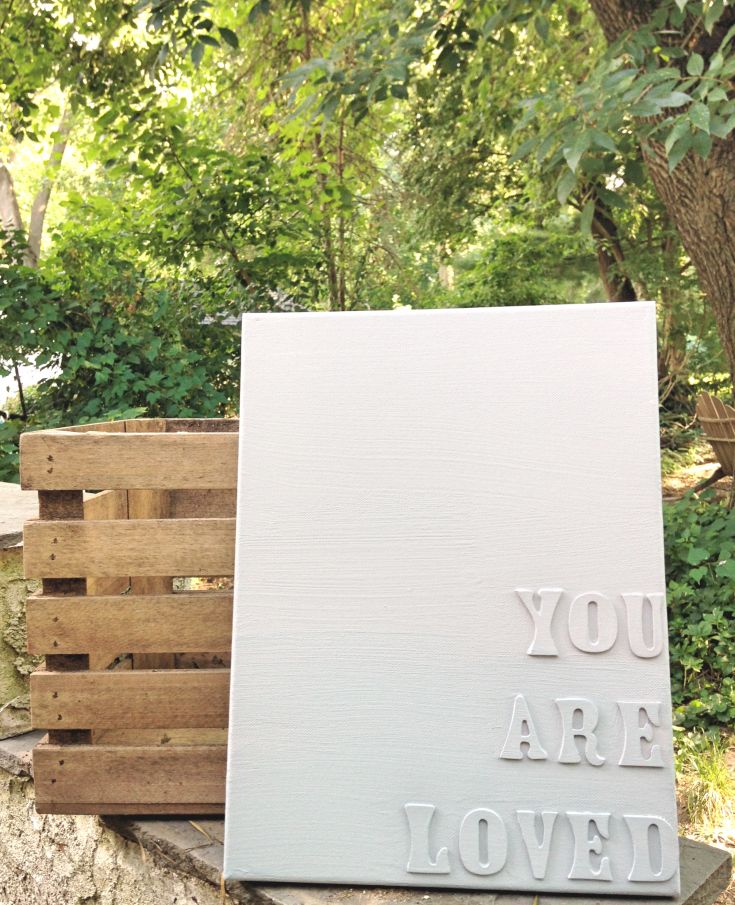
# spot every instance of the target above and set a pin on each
(40, 202)
(10, 218)
(699, 195)
(610, 257)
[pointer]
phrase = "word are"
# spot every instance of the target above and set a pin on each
(523, 738)
(482, 843)
(593, 621)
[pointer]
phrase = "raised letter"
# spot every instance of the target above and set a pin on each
(586, 637)
(569, 753)
(667, 845)
(538, 852)
(634, 612)
(632, 755)
(419, 860)
(587, 843)
(517, 737)
(483, 842)
(542, 644)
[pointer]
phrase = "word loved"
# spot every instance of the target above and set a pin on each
(482, 844)
(593, 621)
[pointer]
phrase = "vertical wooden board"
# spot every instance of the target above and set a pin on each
(150, 504)
(109, 504)
(449, 652)
(66, 505)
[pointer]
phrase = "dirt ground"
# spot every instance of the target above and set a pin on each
(686, 478)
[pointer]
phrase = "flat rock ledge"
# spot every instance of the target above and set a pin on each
(193, 848)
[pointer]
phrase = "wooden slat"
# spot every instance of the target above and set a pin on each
(150, 504)
(208, 425)
(133, 699)
(202, 809)
(716, 420)
(68, 460)
(65, 505)
(170, 737)
(110, 504)
(185, 547)
(190, 621)
(97, 779)
(202, 503)
(107, 427)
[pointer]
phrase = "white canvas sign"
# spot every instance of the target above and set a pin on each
(450, 661)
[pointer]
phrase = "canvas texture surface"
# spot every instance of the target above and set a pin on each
(450, 664)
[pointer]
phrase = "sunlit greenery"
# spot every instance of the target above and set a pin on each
(167, 164)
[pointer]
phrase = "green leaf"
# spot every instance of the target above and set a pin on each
(726, 569)
(702, 144)
(585, 219)
(673, 99)
(602, 140)
(681, 128)
(541, 24)
(680, 150)
(695, 64)
(712, 14)
(564, 186)
(229, 36)
(696, 555)
(261, 8)
(573, 153)
(523, 149)
(699, 116)
(716, 63)
(197, 52)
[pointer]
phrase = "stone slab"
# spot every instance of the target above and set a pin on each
(16, 506)
(194, 847)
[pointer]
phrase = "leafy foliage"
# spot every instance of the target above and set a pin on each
(700, 574)
(122, 343)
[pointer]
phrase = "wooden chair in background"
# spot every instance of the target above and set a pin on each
(718, 424)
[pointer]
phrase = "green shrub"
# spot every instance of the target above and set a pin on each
(700, 575)
(123, 344)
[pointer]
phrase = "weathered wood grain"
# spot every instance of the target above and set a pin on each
(207, 425)
(183, 738)
(109, 504)
(107, 427)
(153, 547)
(150, 504)
(202, 503)
(133, 699)
(190, 621)
(95, 460)
(64, 504)
(121, 779)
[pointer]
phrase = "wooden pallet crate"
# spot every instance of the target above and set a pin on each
(134, 690)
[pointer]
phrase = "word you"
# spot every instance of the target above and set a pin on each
(593, 622)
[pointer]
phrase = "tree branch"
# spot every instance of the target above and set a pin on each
(10, 218)
(40, 202)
